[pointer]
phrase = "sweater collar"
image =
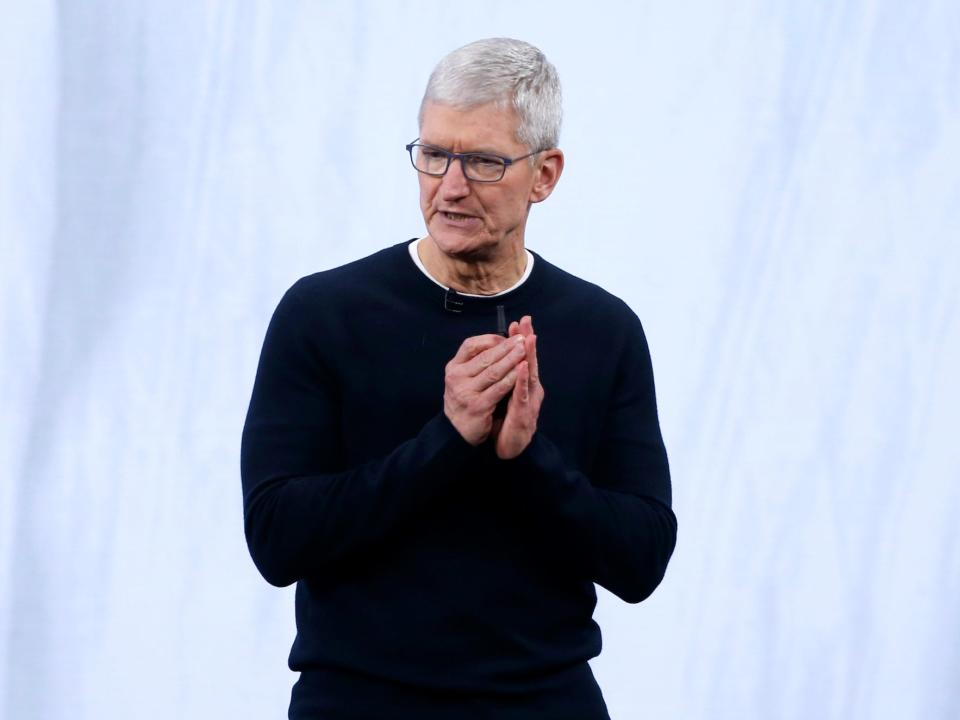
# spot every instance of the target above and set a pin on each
(449, 300)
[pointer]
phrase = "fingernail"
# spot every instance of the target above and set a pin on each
(518, 338)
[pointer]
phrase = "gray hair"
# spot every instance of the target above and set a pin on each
(511, 73)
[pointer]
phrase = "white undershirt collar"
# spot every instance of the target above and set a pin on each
(412, 247)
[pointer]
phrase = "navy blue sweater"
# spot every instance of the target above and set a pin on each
(431, 574)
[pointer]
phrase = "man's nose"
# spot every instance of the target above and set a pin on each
(454, 184)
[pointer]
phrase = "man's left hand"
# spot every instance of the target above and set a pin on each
(512, 435)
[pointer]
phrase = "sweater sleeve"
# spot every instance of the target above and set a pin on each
(303, 512)
(617, 525)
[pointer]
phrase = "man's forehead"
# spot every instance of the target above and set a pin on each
(489, 126)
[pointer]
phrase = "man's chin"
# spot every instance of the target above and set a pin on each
(468, 248)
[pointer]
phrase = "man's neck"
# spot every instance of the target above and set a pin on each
(474, 277)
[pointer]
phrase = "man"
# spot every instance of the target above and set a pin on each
(444, 496)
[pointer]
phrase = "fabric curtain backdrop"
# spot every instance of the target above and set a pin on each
(773, 187)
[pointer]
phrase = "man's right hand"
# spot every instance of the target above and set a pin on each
(482, 372)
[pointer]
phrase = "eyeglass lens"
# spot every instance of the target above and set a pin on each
(476, 166)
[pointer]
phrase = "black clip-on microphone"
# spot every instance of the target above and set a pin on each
(452, 301)
(500, 411)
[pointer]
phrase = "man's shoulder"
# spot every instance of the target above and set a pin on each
(356, 276)
(587, 296)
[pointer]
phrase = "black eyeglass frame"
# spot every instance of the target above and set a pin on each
(451, 156)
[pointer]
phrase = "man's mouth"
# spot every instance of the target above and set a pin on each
(457, 217)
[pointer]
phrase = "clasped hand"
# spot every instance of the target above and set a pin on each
(484, 370)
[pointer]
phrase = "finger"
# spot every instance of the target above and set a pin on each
(522, 387)
(498, 390)
(490, 357)
(485, 377)
(476, 344)
(514, 329)
(531, 352)
(526, 325)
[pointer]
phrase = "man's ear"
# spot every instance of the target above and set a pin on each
(548, 171)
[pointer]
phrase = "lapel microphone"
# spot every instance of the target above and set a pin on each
(452, 302)
(500, 410)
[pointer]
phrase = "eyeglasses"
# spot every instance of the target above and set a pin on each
(480, 167)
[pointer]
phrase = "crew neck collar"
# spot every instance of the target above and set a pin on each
(427, 286)
(415, 256)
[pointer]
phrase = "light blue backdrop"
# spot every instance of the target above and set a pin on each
(773, 186)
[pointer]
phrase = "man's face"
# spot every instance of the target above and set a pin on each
(470, 219)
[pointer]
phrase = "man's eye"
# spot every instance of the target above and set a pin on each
(486, 161)
(429, 154)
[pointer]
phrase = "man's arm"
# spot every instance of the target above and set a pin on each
(617, 539)
(616, 527)
(298, 524)
(303, 511)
